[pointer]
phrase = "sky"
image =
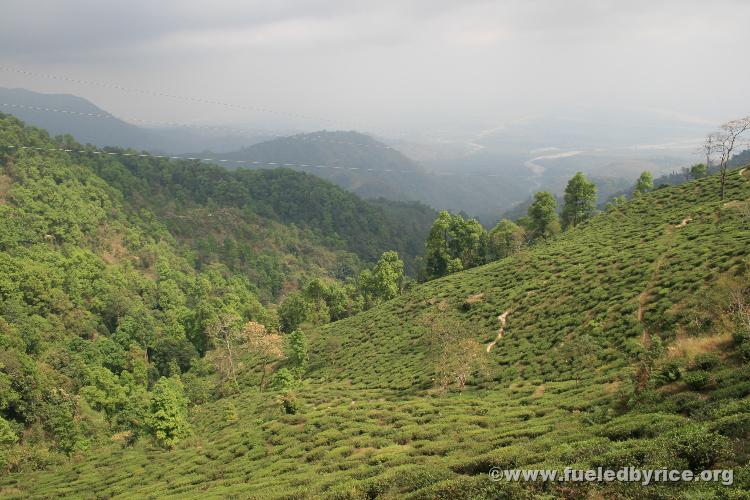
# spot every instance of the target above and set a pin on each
(394, 68)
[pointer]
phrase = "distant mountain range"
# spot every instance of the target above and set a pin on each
(68, 114)
(383, 172)
(482, 176)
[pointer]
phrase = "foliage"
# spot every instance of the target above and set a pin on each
(543, 219)
(384, 282)
(293, 311)
(631, 291)
(322, 301)
(299, 354)
(7, 438)
(645, 182)
(454, 244)
(697, 379)
(505, 239)
(698, 171)
(700, 447)
(616, 202)
(167, 418)
(580, 200)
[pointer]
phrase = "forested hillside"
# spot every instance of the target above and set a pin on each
(333, 217)
(622, 341)
(120, 273)
(372, 169)
(272, 225)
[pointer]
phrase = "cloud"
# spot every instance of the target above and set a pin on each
(399, 65)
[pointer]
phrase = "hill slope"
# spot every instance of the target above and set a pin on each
(379, 171)
(69, 114)
(371, 169)
(602, 272)
(611, 349)
(271, 225)
(79, 119)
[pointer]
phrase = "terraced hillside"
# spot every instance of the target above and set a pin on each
(633, 271)
(618, 348)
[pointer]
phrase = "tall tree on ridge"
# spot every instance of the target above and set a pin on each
(544, 221)
(580, 200)
(645, 182)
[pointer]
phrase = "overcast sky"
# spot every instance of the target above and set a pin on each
(389, 67)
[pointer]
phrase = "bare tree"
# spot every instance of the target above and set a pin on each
(723, 145)
(224, 333)
(456, 355)
(708, 150)
(232, 339)
(268, 346)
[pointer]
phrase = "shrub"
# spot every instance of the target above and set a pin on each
(741, 336)
(745, 351)
(668, 373)
(505, 458)
(230, 412)
(472, 487)
(631, 426)
(284, 379)
(688, 403)
(198, 383)
(699, 446)
(632, 453)
(697, 379)
(289, 403)
(7, 439)
(707, 361)
(737, 425)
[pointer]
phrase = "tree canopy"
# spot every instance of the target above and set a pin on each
(645, 182)
(454, 243)
(543, 218)
(580, 200)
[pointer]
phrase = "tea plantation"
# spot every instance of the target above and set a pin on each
(619, 349)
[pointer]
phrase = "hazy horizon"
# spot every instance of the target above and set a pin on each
(442, 70)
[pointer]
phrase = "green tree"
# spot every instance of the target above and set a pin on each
(645, 182)
(505, 239)
(168, 350)
(471, 242)
(105, 393)
(698, 171)
(293, 311)
(580, 200)
(167, 416)
(385, 281)
(7, 439)
(298, 344)
(438, 245)
(543, 217)
(335, 300)
(454, 243)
